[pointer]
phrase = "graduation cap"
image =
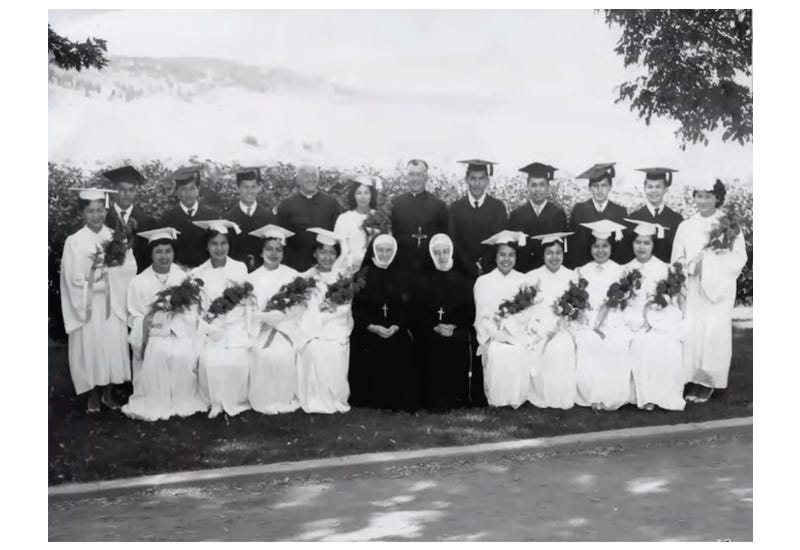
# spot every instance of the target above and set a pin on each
(271, 231)
(559, 237)
(93, 194)
(506, 237)
(125, 174)
(220, 226)
(168, 233)
(324, 236)
(247, 173)
(658, 173)
(602, 229)
(647, 228)
(478, 164)
(539, 170)
(598, 172)
(368, 180)
(186, 174)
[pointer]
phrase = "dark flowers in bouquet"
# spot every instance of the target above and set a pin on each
(522, 300)
(177, 299)
(376, 223)
(231, 297)
(621, 292)
(292, 294)
(113, 250)
(670, 287)
(725, 231)
(343, 290)
(573, 304)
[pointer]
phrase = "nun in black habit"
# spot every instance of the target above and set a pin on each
(382, 373)
(443, 316)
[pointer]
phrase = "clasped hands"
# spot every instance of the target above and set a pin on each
(444, 329)
(382, 331)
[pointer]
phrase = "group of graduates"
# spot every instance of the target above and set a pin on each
(425, 326)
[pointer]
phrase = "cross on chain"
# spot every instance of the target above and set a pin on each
(420, 236)
(385, 308)
(440, 312)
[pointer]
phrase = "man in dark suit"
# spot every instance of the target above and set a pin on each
(656, 183)
(416, 217)
(599, 207)
(249, 215)
(474, 218)
(537, 216)
(125, 214)
(189, 249)
(308, 207)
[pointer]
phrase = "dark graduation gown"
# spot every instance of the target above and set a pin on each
(189, 249)
(297, 213)
(247, 248)
(382, 372)
(662, 248)
(452, 375)
(138, 221)
(422, 214)
(580, 243)
(468, 227)
(552, 219)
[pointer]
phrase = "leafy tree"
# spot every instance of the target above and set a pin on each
(696, 62)
(75, 55)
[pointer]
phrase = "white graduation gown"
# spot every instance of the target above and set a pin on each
(323, 351)
(165, 382)
(710, 296)
(273, 366)
(555, 381)
(98, 345)
(225, 357)
(349, 226)
(505, 345)
(602, 368)
(655, 353)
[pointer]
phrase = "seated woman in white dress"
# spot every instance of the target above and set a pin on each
(555, 382)
(225, 356)
(603, 372)
(273, 369)
(164, 344)
(504, 343)
(710, 293)
(655, 349)
(362, 199)
(324, 336)
(93, 303)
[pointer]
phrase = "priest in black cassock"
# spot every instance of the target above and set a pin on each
(124, 213)
(249, 215)
(657, 182)
(308, 207)
(474, 218)
(189, 249)
(599, 207)
(538, 216)
(416, 216)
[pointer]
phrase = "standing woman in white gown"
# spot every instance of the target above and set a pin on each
(710, 293)
(225, 356)
(555, 382)
(324, 336)
(655, 350)
(362, 199)
(504, 343)
(93, 303)
(164, 344)
(273, 369)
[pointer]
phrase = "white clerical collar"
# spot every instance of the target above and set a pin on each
(652, 209)
(311, 196)
(127, 211)
(479, 200)
(193, 208)
(415, 194)
(538, 209)
(246, 209)
(600, 207)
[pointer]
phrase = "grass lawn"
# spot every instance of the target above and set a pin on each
(110, 445)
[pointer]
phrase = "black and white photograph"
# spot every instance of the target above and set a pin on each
(416, 275)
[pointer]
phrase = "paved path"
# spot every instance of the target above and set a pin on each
(675, 487)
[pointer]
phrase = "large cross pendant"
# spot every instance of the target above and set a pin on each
(420, 236)
(440, 312)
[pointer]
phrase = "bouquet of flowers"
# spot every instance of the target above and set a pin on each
(294, 293)
(376, 222)
(572, 305)
(724, 233)
(177, 299)
(231, 297)
(342, 291)
(621, 292)
(670, 287)
(523, 299)
(113, 250)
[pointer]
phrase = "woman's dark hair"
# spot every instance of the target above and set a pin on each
(83, 203)
(318, 246)
(512, 246)
(211, 233)
(612, 241)
(268, 239)
(553, 243)
(152, 244)
(351, 195)
(719, 191)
